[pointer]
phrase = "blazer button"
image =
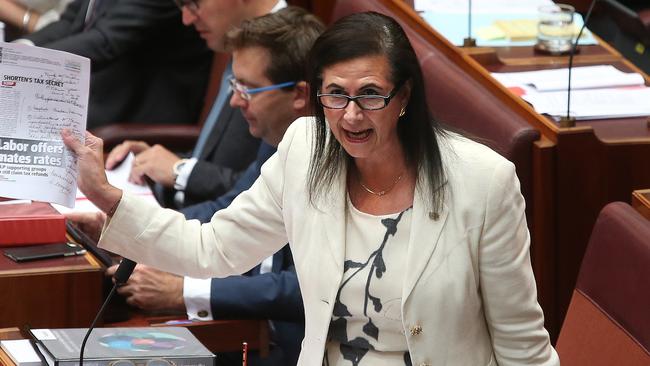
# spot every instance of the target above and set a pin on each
(434, 216)
(416, 330)
(202, 313)
(425, 364)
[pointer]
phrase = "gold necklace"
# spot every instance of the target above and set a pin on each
(383, 191)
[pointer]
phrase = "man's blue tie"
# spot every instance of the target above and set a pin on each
(213, 116)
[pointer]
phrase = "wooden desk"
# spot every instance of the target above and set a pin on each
(641, 202)
(53, 293)
(592, 164)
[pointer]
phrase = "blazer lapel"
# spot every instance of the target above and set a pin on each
(332, 217)
(426, 227)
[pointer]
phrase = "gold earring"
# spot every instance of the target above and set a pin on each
(402, 112)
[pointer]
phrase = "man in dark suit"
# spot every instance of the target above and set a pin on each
(269, 54)
(146, 66)
(225, 148)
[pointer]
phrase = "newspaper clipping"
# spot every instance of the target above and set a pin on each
(42, 91)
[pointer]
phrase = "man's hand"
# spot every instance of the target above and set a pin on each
(91, 223)
(151, 289)
(120, 152)
(156, 163)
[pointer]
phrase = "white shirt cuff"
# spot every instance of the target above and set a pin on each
(267, 265)
(46, 18)
(184, 174)
(24, 41)
(196, 294)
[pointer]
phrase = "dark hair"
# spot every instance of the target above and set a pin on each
(370, 34)
(287, 34)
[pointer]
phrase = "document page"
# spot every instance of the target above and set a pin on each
(594, 103)
(42, 91)
(584, 77)
(480, 6)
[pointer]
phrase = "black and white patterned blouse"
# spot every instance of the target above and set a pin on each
(366, 326)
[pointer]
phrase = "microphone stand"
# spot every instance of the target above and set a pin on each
(121, 275)
(469, 41)
(568, 120)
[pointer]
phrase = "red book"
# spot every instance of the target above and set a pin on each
(30, 223)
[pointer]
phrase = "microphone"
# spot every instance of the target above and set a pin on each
(469, 41)
(124, 271)
(568, 121)
(121, 276)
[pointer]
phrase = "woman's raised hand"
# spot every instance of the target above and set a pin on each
(92, 177)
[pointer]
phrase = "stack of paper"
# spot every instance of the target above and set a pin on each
(594, 103)
(586, 77)
(480, 6)
(21, 352)
(597, 92)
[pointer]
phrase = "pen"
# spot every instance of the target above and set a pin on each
(178, 322)
(78, 252)
(244, 354)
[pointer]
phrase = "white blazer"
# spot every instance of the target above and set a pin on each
(469, 295)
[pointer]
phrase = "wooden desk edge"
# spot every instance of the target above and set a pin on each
(8, 334)
(91, 266)
(641, 202)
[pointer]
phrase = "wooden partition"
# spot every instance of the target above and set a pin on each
(52, 293)
(641, 202)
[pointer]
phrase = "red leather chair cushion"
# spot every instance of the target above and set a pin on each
(590, 337)
(608, 321)
(615, 271)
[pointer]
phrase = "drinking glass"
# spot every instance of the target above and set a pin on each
(555, 28)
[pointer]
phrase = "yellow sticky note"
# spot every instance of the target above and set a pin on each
(518, 29)
(490, 33)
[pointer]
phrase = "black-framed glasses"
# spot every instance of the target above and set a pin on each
(247, 94)
(365, 102)
(191, 5)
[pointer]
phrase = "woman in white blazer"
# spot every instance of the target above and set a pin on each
(410, 243)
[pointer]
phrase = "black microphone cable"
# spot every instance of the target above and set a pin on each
(574, 48)
(122, 275)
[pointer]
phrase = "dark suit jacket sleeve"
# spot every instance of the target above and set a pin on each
(120, 26)
(209, 179)
(204, 211)
(274, 296)
(217, 170)
(61, 28)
